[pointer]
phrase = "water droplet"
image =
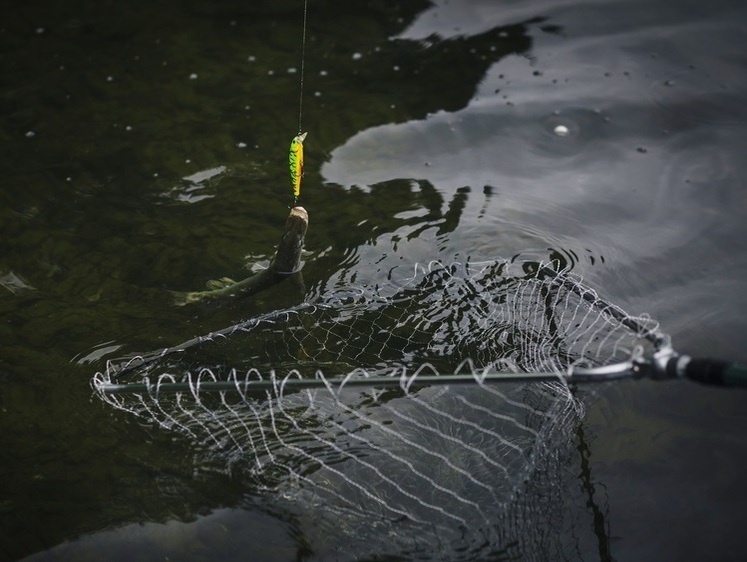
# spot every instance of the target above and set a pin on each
(251, 58)
(193, 76)
(241, 144)
(30, 134)
(292, 70)
(357, 56)
(323, 73)
(110, 78)
(561, 130)
(39, 30)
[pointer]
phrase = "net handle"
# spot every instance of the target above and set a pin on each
(599, 374)
(713, 372)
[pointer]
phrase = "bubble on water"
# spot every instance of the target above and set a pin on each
(30, 134)
(270, 72)
(193, 76)
(40, 30)
(292, 70)
(323, 73)
(562, 124)
(110, 78)
(357, 56)
(251, 58)
(128, 128)
(241, 145)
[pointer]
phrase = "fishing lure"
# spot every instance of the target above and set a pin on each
(295, 161)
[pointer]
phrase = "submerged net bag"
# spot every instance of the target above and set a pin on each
(370, 451)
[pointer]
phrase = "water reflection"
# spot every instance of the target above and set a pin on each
(440, 141)
(266, 536)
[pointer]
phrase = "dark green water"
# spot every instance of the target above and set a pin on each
(432, 136)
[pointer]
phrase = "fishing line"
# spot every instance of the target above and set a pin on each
(303, 63)
(295, 156)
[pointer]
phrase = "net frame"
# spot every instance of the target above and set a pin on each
(590, 338)
(402, 448)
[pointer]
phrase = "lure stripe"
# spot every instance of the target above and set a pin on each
(295, 161)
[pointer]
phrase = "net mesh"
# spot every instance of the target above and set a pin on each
(401, 469)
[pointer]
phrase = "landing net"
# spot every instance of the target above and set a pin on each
(408, 468)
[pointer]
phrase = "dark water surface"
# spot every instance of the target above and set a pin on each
(144, 151)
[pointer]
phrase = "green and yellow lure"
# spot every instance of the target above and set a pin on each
(295, 161)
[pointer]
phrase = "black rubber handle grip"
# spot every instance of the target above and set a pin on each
(716, 372)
